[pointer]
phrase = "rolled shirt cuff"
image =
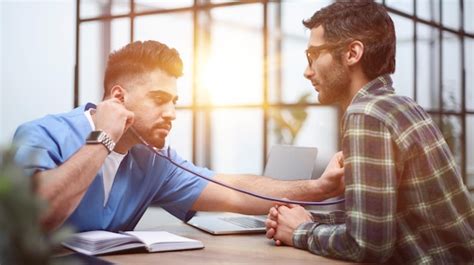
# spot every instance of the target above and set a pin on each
(302, 233)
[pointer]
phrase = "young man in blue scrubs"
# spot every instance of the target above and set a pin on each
(405, 199)
(95, 174)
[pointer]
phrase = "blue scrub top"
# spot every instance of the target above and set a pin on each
(143, 178)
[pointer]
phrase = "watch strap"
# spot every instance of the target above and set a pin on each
(101, 137)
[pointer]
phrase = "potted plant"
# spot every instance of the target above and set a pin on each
(22, 241)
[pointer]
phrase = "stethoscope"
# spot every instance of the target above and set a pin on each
(268, 198)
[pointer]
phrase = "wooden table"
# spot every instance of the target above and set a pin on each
(223, 249)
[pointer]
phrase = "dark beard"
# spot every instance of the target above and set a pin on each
(160, 143)
(336, 82)
(150, 140)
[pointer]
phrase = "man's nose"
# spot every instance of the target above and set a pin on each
(170, 111)
(308, 72)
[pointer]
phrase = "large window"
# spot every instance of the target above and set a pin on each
(439, 64)
(243, 89)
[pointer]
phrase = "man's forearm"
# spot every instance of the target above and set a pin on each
(336, 241)
(64, 186)
(305, 190)
(237, 202)
(330, 240)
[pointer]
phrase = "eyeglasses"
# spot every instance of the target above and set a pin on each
(313, 52)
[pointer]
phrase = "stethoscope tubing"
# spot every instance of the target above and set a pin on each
(256, 195)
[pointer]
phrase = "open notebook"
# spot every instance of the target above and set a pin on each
(284, 162)
(101, 242)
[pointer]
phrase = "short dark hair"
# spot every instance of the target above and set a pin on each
(365, 21)
(139, 58)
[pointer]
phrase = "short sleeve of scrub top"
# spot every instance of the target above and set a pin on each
(182, 188)
(39, 148)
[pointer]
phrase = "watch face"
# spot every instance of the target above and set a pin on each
(95, 135)
(100, 137)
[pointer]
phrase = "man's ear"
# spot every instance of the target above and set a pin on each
(354, 53)
(118, 92)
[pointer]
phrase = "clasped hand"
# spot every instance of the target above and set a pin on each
(283, 220)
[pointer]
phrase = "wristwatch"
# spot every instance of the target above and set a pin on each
(101, 137)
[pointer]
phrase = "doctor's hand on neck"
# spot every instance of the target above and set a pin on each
(112, 117)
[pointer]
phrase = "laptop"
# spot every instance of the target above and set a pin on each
(284, 162)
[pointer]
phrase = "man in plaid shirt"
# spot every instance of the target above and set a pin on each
(405, 200)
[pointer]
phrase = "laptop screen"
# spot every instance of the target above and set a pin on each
(287, 162)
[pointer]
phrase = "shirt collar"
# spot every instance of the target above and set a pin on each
(381, 85)
(378, 86)
(88, 108)
(89, 118)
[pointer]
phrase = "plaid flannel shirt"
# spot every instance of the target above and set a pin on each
(405, 200)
